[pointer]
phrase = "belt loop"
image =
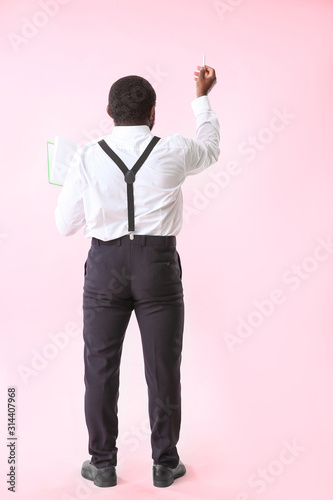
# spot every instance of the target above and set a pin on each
(98, 242)
(143, 240)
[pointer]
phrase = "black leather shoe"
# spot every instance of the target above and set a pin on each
(164, 476)
(102, 477)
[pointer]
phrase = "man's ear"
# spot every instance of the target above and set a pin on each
(152, 112)
(107, 110)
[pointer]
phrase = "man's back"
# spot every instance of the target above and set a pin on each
(94, 192)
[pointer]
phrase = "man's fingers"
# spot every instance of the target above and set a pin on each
(204, 72)
(210, 71)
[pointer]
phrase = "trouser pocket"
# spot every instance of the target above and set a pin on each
(180, 266)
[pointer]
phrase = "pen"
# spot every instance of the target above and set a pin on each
(204, 60)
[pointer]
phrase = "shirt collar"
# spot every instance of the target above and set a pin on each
(130, 130)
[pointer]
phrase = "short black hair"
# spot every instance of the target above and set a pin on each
(130, 100)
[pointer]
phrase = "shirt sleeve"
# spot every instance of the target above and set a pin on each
(203, 151)
(69, 214)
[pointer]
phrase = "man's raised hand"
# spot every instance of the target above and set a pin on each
(205, 80)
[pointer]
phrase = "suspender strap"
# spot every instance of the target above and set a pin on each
(129, 175)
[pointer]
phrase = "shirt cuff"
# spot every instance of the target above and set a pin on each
(201, 104)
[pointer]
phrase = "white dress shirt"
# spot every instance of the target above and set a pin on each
(94, 193)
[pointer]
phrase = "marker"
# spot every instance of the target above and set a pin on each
(204, 61)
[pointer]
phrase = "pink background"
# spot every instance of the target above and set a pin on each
(258, 412)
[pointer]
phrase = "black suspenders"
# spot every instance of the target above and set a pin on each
(129, 175)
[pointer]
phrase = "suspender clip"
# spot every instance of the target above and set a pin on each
(131, 235)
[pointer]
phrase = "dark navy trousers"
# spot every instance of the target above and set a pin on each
(122, 275)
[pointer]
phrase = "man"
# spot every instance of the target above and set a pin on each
(133, 217)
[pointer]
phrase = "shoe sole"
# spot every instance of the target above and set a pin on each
(165, 483)
(100, 485)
